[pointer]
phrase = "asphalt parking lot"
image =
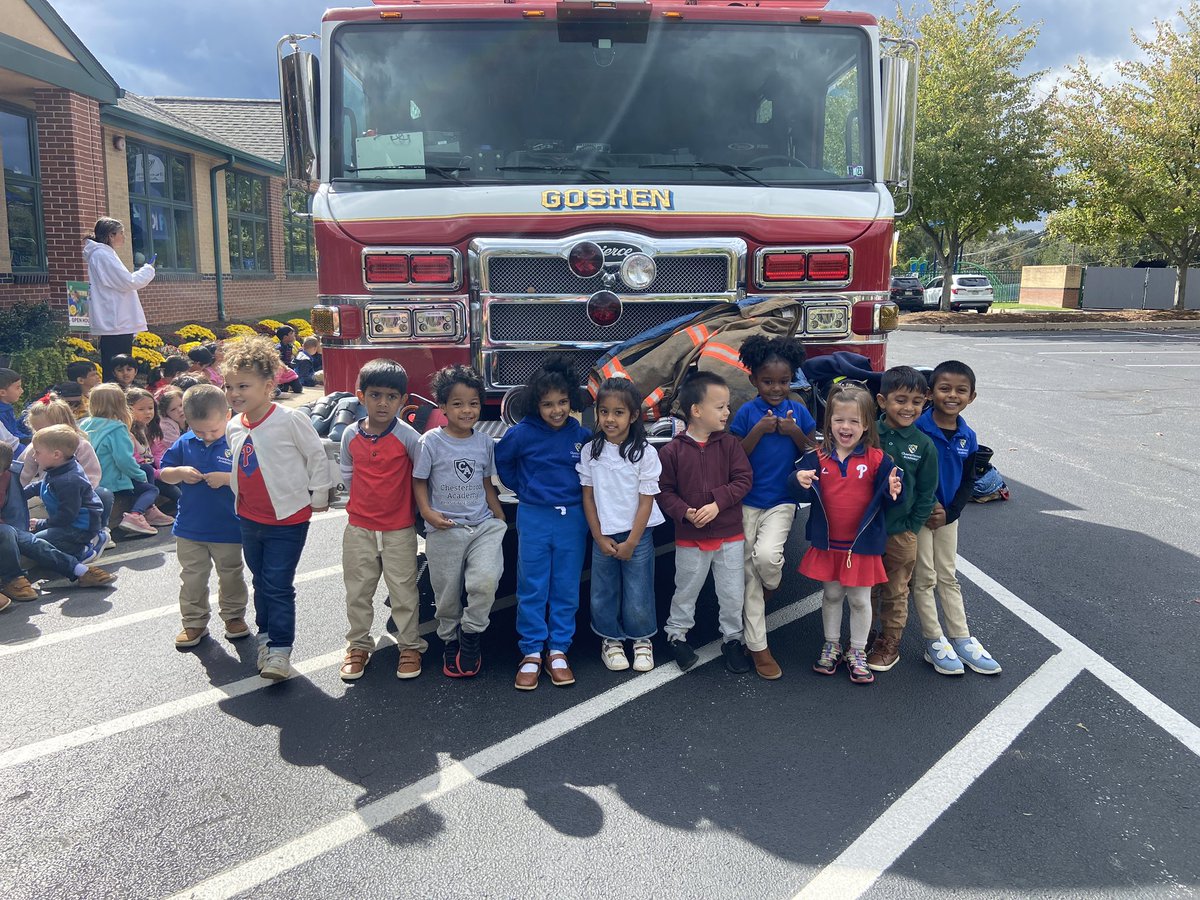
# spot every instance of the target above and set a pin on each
(129, 769)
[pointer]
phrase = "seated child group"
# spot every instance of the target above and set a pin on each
(884, 486)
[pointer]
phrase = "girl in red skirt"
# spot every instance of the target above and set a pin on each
(848, 479)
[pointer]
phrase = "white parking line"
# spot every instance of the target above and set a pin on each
(1162, 366)
(157, 612)
(1154, 351)
(455, 774)
(911, 815)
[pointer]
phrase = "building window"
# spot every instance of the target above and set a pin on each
(22, 192)
(298, 251)
(246, 201)
(161, 219)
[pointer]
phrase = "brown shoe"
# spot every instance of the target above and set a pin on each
(765, 665)
(190, 637)
(355, 664)
(96, 577)
(20, 589)
(528, 673)
(410, 664)
(560, 676)
(236, 629)
(885, 653)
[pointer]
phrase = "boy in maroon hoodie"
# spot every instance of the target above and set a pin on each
(705, 475)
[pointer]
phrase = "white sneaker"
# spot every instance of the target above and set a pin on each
(613, 654)
(278, 664)
(643, 656)
(262, 650)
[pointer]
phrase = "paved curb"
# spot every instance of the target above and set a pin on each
(1158, 325)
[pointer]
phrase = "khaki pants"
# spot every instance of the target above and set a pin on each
(936, 554)
(890, 599)
(196, 559)
(766, 533)
(366, 555)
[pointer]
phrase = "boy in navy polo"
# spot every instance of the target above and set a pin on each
(953, 388)
(206, 528)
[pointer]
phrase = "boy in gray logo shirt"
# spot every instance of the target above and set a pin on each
(452, 483)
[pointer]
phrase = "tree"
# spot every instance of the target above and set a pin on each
(982, 150)
(1132, 149)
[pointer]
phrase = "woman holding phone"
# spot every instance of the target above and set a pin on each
(116, 311)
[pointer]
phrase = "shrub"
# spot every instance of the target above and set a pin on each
(148, 358)
(236, 331)
(268, 326)
(26, 326)
(41, 368)
(80, 346)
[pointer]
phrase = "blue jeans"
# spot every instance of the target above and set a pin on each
(623, 591)
(70, 541)
(144, 494)
(272, 553)
(550, 546)
(106, 505)
(15, 543)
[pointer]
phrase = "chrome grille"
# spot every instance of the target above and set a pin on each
(698, 274)
(568, 323)
(511, 368)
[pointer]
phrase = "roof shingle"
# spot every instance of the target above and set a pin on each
(253, 126)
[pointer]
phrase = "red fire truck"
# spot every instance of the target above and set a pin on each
(493, 180)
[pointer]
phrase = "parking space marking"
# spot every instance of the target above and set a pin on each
(455, 774)
(914, 812)
(1170, 720)
(1155, 351)
(157, 612)
(202, 699)
(1161, 366)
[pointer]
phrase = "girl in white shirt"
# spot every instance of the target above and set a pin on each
(619, 472)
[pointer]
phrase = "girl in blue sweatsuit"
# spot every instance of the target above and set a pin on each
(536, 459)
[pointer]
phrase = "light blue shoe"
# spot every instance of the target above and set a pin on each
(940, 654)
(971, 652)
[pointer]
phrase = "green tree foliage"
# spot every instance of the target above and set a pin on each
(1132, 149)
(982, 157)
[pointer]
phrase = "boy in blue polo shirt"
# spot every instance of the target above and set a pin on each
(953, 388)
(206, 529)
(774, 430)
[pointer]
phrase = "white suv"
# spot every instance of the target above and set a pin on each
(966, 292)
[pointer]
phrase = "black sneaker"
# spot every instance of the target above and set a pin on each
(450, 660)
(736, 660)
(469, 659)
(685, 656)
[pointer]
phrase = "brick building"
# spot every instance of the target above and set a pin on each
(197, 181)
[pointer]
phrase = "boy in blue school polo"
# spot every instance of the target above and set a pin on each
(206, 529)
(952, 388)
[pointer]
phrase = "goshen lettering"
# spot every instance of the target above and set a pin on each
(608, 198)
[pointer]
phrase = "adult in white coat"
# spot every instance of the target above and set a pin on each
(116, 311)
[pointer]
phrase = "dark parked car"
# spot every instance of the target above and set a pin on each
(907, 292)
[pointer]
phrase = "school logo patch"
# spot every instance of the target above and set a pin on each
(962, 443)
(464, 469)
(912, 448)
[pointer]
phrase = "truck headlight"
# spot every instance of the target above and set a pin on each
(826, 320)
(637, 271)
(389, 323)
(435, 321)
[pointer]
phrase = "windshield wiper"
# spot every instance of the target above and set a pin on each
(743, 171)
(596, 174)
(446, 172)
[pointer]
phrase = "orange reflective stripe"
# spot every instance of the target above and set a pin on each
(650, 405)
(698, 334)
(723, 353)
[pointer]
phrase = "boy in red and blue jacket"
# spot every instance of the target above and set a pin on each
(953, 388)
(377, 459)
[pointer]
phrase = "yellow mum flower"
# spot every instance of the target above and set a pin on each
(195, 333)
(188, 347)
(148, 339)
(150, 357)
(239, 331)
(79, 345)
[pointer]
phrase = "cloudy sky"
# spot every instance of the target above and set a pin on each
(225, 48)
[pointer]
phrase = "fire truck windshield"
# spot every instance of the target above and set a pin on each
(448, 103)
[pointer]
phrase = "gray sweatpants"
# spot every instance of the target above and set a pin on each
(691, 571)
(471, 558)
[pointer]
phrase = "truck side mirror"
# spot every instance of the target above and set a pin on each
(898, 87)
(300, 93)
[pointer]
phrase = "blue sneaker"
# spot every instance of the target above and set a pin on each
(92, 551)
(940, 654)
(971, 652)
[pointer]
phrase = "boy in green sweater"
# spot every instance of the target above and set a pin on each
(903, 392)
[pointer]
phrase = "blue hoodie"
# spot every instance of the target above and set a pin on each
(538, 463)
